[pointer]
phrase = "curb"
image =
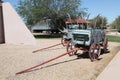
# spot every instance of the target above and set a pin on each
(112, 71)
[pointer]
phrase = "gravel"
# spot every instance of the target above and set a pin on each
(15, 58)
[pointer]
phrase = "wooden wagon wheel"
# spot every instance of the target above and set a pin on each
(63, 41)
(69, 47)
(94, 51)
(105, 44)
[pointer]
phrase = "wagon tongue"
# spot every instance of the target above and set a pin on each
(23, 71)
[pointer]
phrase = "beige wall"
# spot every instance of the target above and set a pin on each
(16, 31)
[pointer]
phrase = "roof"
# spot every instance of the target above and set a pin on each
(76, 20)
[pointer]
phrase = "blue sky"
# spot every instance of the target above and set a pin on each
(107, 8)
(12, 2)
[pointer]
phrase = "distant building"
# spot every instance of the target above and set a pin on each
(47, 25)
(44, 25)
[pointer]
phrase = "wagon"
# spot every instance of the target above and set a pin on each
(80, 36)
(67, 34)
(71, 25)
(90, 40)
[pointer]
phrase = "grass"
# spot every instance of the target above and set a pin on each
(113, 38)
(110, 37)
(47, 36)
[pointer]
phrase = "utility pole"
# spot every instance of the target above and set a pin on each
(2, 36)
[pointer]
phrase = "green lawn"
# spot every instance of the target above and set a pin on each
(47, 36)
(110, 38)
(113, 38)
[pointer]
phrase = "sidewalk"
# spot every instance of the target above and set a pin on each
(112, 71)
